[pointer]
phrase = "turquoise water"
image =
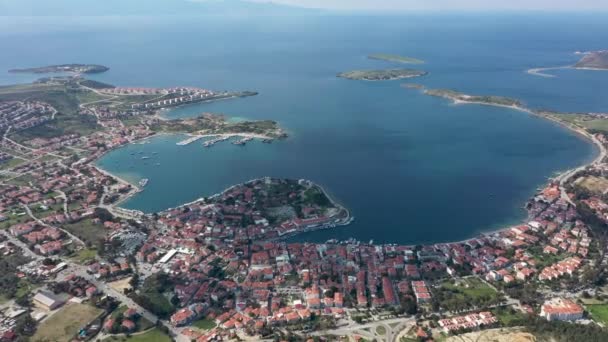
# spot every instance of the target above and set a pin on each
(412, 168)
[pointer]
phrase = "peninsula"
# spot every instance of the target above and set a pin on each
(395, 58)
(594, 60)
(381, 75)
(458, 97)
(61, 107)
(67, 68)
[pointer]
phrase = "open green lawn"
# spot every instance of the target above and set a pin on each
(17, 215)
(471, 287)
(87, 230)
(64, 325)
(585, 121)
(204, 324)
(22, 180)
(40, 212)
(84, 256)
(11, 163)
(506, 316)
(153, 335)
(64, 99)
(380, 330)
(465, 293)
(599, 312)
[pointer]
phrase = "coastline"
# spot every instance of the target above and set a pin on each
(162, 112)
(382, 79)
(562, 177)
(541, 71)
(578, 130)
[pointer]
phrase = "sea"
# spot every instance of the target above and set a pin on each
(411, 168)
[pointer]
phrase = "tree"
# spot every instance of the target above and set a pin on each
(23, 301)
(134, 282)
(26, 325)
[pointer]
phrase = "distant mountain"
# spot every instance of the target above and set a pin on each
(594, 59)
(139, 7)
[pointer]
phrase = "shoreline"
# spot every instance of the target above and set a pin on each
(541, 71)
(561, 177)
(337, 222)
(162, 112)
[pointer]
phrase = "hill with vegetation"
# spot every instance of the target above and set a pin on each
(594, 60)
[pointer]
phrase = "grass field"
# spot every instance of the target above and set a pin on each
(64, 99)
(471, 287)
(11, 163)
(22, 180)
(87, 230)
(506, 316)
(599, 312)
(465, 293)
(380, 330)
(600, 125)
(84, 256)
(153, 335)
(594, 184)
(66, 323)
(204, 324)
(14, 217)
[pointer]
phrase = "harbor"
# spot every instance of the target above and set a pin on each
(242, 140)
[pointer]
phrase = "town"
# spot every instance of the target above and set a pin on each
(77, 267)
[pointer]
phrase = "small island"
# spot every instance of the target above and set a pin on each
(395, 58)
(68, 68)
(382, 75)
(594, 60)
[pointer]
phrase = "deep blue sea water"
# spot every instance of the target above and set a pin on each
(411, 168)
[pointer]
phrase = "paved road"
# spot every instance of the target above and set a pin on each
(81, 271)
(369, 331)
(42, 223)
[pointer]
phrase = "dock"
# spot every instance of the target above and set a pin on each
(212, 142)
(243, 141)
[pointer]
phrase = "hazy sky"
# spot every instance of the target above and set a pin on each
(449, 4)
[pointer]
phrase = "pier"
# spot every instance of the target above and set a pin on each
(212, 142)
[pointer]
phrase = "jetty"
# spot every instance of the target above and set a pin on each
(189, 140)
